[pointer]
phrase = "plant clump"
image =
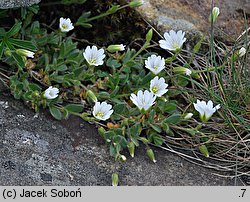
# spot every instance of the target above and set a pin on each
(172, 99)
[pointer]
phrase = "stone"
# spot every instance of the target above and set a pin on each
(4, 4)
(192, 15)
(32, 153)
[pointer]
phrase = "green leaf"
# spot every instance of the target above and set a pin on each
(19, 60)
(2, 32)
(156, 128)
(203, 149)
(34, 87)
(147, 79)
(121, 109)
(114, 93)
(170, 107)
(14, 30)
(83, 20)
(77, 108)
(1, 49)
(165, 127)
(143, 139)
(23, 44)
(173, 119)
(113, 63)
(103, 95)
(112, 150)
(56, 113)
(158, 140)
(85, 25)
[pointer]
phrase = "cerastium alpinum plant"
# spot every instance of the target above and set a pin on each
(136, 97)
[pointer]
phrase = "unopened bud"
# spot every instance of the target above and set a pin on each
(91, 95)
(7, 53)
(188, 116)
(102, 131)
(136, 3)
(115, 179)
(151, 155)
(149, 35)
(182, 70)
(123, 158)
(215, 13)
(25, 53)
(131, 149)
(115, 48)
(242, 52)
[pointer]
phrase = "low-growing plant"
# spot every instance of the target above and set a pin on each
(137, 97)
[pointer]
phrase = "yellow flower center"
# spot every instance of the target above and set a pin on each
(64, 26)
(155, 89)
(175, 45)
(155, 67)
(99, 114)
(92, 61)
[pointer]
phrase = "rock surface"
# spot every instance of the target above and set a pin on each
(192, 15)
(37, 150)
(17, 3)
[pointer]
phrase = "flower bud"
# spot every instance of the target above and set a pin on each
(7, 53)
(91, 95)
(131, 149)
(136, 3)
(242, 52)
(215, 13)
(188, 116)
(151, 155)
(203, 149)
(115, 179)
(115, 48)
(102, 131)
(182, 70)
(149, 35)
(25, 53)
(123, 158)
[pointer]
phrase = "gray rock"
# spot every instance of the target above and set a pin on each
(38, 150)
(17, 3)
(192, 15)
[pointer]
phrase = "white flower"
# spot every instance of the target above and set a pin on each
(206, 110)
(51, 93)
(242, 52)
(143, 100)
(102, 111)
(158, 86)
(155, 64)
(188, 72)
(188, 116)
(65, 25)
(115, 48)
(94, 56)
(173, 40)
(215, 14)
(25, 53)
